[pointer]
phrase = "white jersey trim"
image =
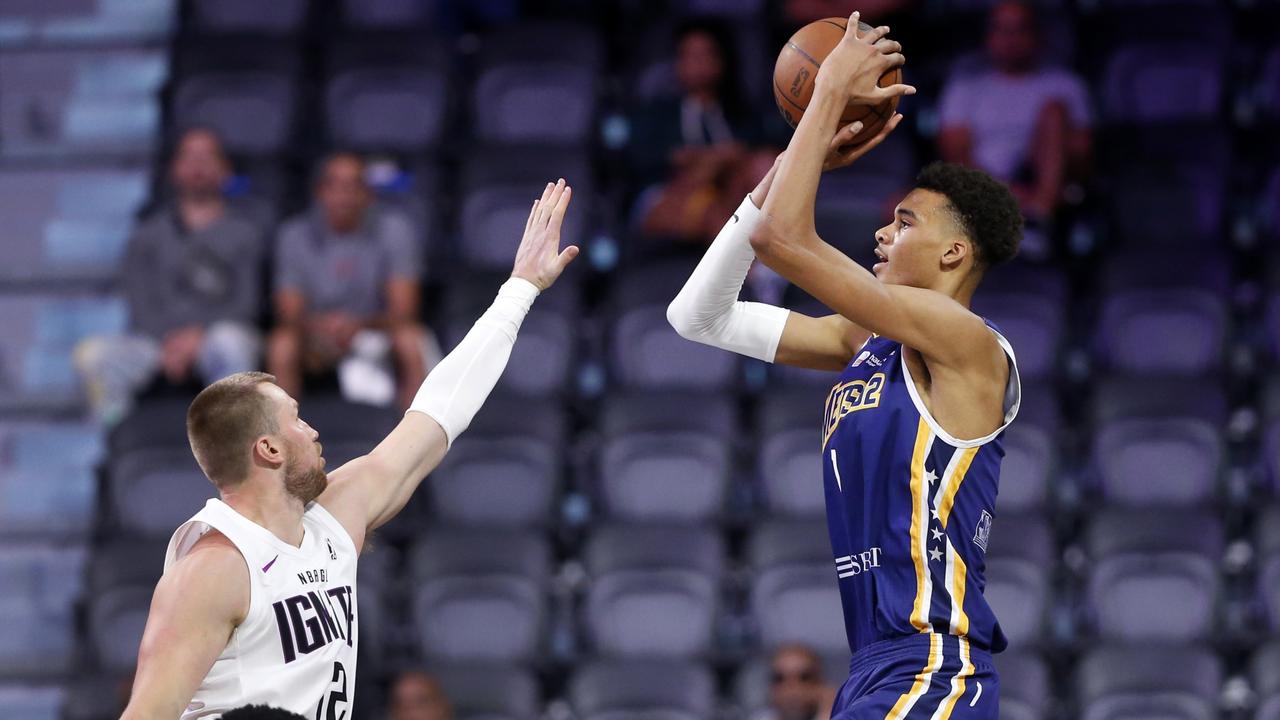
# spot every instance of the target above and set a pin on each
(1012, 399)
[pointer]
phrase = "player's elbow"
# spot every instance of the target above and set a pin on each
(680, 317)
(766, 239)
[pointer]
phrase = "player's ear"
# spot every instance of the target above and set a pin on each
(268, 451)
(956, 250)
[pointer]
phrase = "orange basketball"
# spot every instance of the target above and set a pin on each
(797, 67)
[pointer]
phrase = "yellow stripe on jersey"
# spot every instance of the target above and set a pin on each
(953, 483)
(919, 528)
(923, 679)
(957, 684)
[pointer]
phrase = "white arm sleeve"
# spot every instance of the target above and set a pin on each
(707, 309)
(456, 388)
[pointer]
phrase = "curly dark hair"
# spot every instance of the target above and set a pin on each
(983, 207)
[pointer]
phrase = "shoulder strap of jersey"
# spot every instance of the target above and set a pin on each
(216, 515)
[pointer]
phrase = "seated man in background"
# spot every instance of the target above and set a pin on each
(347, 291)
(1020, 121)
(415, 695)
(797, 687)
(192, 278)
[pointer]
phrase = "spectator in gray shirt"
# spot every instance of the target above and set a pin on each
(192, 278)
(347, 293)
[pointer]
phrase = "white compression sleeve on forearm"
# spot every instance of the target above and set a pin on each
(456, 388)
(707, 309)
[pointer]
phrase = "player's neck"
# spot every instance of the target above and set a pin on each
(272, 508)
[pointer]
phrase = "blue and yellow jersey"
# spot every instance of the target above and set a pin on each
(909, 507)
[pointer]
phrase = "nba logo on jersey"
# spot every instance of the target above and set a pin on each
(332, 555)
(983, 532)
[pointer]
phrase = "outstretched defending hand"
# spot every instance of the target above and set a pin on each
(539, 258)
(855, 65)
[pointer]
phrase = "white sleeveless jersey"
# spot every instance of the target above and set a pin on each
(296, 649)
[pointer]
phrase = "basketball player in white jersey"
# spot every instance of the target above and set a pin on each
(258, 602)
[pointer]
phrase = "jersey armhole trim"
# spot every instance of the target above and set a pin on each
(1012, 387)
(255, 597)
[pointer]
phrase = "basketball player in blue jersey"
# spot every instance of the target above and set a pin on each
(911, 430)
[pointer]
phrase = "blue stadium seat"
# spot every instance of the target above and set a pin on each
(1181, 682)
(642, 690)
(285, 17)
(1151, 83)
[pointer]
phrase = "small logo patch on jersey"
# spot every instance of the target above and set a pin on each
(983, 532)
(268, 565)
(332, 555)
(850, 397)
(868, 358)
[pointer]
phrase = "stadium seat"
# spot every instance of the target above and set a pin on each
(1151, 83)
(1025, 692)
(1027, 471)
(1158, 461)
(479, 595)
(122, 577)
(1153, 575)
(1179, 682)
(542, 360)
(154, 491)
(496, 480)
(498, 185)
(793, 597)
(1172, 331)
(67, 224)
(1264, 672)
(41, 331)
(1267, 546)
(1183, 204)
(33, 702)
(1033, 325)
(47, 483)
(397, 109)
(153, 423)
(537, 85)
(791, 470)
(1018, 591)
(42, 584)
(489, 692)
(100, 22)
(1027, 537)
(642, 690)
(253, 112)
(286, 17)
(654, 590)
(751, 683)
(373, 15)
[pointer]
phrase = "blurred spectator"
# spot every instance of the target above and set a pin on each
(1019, 120)
(347, 292)
(192, 278)
(692, 151)
(797, 690)
(415, 695)
(260, 712)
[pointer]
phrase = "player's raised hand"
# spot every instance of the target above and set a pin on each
(857, 62)
(539, 258)
(841, 154)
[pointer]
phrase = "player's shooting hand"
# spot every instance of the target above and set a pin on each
(855, 65)
(539, 258)
(841, 154)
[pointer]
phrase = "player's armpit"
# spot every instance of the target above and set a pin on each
(824, 343)
(197, 605)
(368, 491)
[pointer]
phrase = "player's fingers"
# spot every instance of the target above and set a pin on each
(543, 208)
(562, 204)
(846, 134)
(533, 212)
(897, 90)
(851, 30)
(566, 256)
(892, 60)
(874, 35)
(888, 47)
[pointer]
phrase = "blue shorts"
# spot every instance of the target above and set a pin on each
(920, 677)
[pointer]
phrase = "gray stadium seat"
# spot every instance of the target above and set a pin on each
(793, 596)
(654, 590)
(67, 225)
(36, 370)
(154, 491)
(1025, 693)
(791, 469)
(1018, 592)
(507, 480)
(1158, 461)
(284, 17)
(542, 360)
(489, 692)
(47, 485)
(400, 109)
(1029, 464)
(672, 476)
(1148, 83)
(42, 583)
(1264, 672)
(91, 22)
(1181, 682)
(479, 595)
(1154, 574)
(1033, 325)
(33, 702)
(153, 423)
(1178, 331)
(122, 577)
(642, 690)
(68, 103)
(645, 352)
(389, 14)
(1023, 536)
(253, 112)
